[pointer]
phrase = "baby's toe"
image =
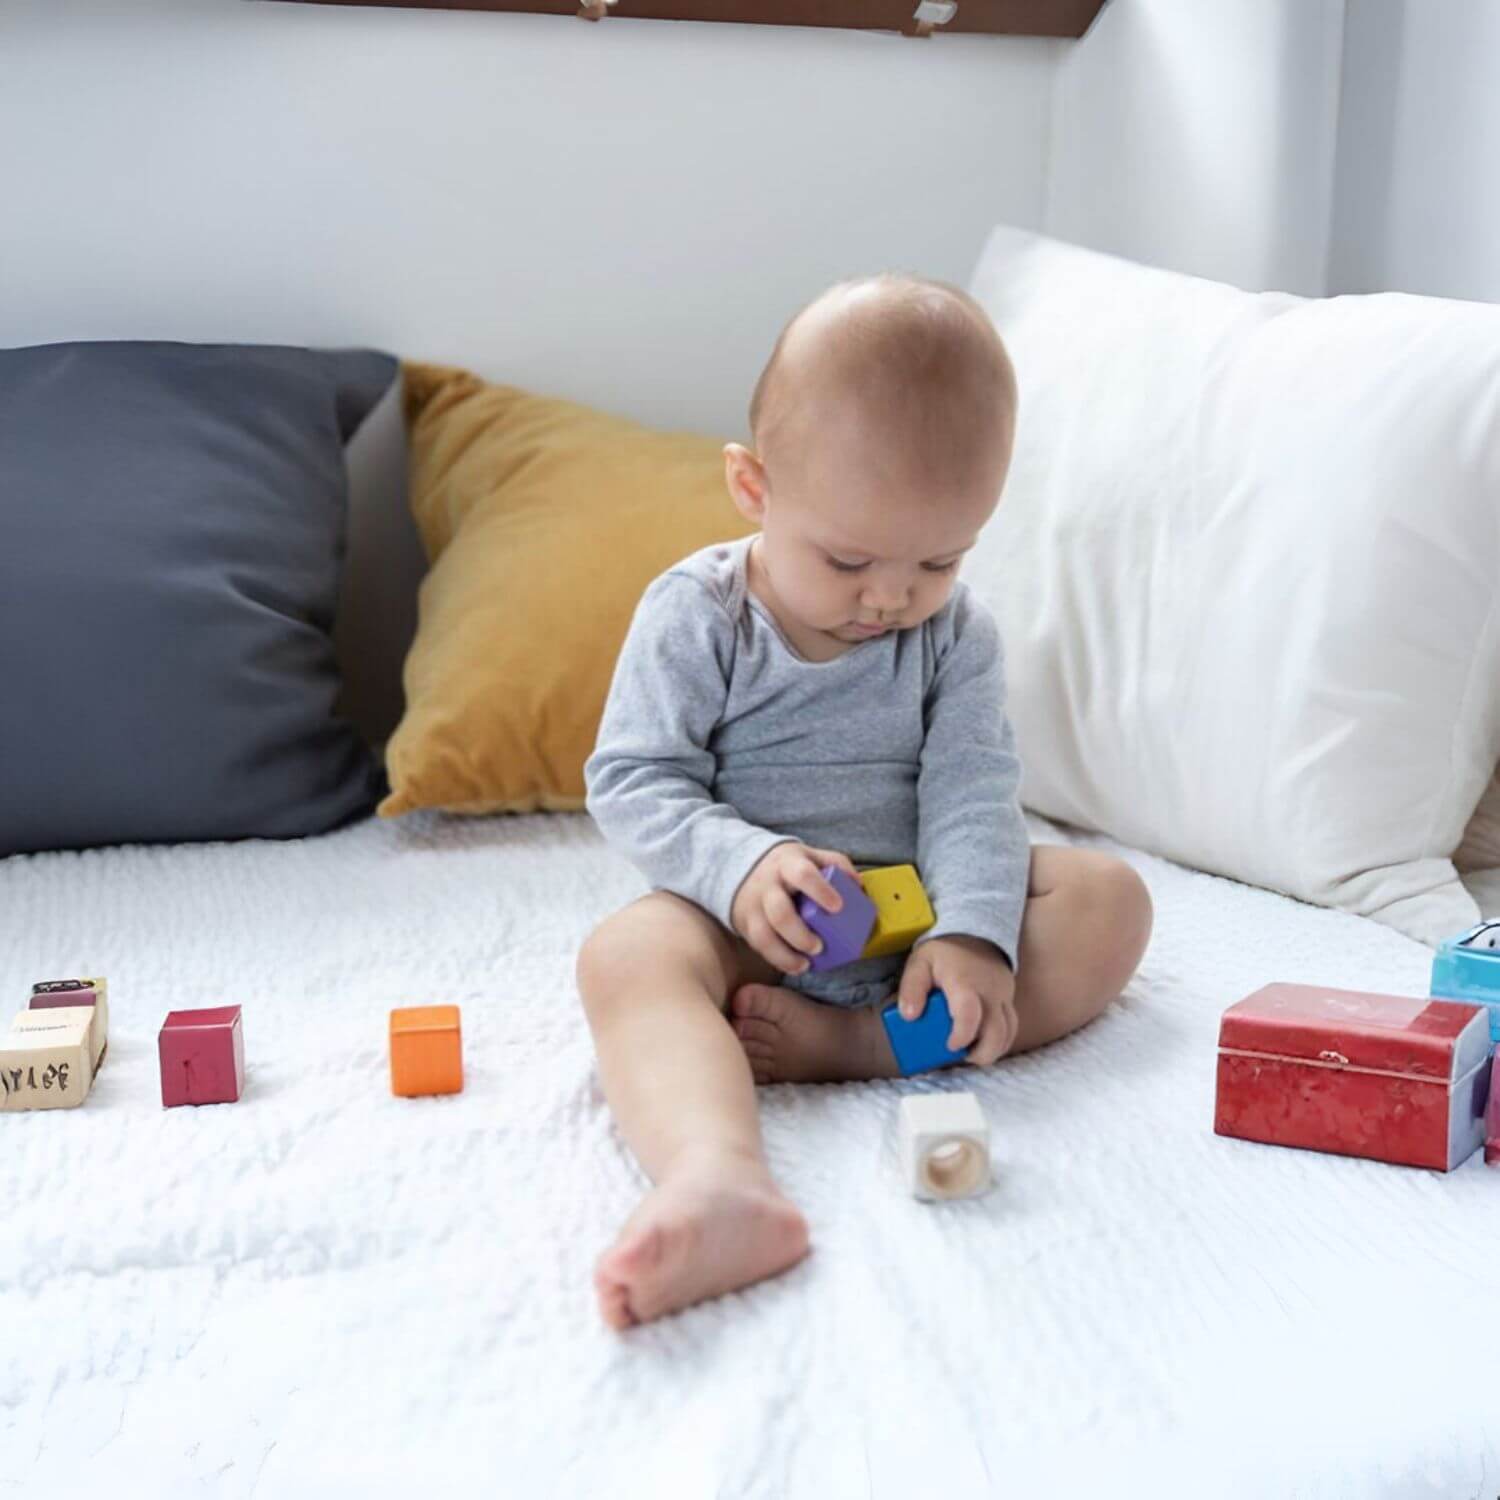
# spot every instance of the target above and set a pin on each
(763, 1067)
(614, 1299)
(758, 1001)
(755, 1031)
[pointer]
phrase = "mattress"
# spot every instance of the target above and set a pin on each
(323, 1289)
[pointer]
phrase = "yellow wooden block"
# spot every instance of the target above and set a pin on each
(902, 911)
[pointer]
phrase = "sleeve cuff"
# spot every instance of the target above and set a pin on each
(735, 864)
(1002, 928)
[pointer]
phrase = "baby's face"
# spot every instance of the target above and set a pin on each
(851, 553)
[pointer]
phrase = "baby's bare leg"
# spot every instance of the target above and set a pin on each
(654, 978)
(1087, 921)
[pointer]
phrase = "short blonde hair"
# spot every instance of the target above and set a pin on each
(920, 362)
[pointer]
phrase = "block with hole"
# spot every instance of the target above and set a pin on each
(922, 1045)
(427, 1055)
(202, 1055)
(54, 993)
(47, 1060)
(945, 1146)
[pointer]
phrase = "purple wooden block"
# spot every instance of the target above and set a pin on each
(844, 932)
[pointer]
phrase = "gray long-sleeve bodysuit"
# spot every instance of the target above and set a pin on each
(719, 740)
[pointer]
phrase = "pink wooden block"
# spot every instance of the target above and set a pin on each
(1492, 1124)
(202, 1056)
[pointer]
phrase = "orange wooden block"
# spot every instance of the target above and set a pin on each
(427, 1052)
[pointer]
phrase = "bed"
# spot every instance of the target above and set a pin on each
(327, 1290)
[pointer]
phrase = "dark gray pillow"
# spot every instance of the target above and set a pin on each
(172, 524)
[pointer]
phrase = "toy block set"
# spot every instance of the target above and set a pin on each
(1388, 1077)
(55, 1046)
(945, 1143)
(885, 911)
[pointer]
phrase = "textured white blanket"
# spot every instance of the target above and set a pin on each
(326, 1290)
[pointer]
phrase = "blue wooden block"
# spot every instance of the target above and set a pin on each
(844, 931)
(1468, 968)
(922, 1045)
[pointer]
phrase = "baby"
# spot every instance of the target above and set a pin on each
(824, 692)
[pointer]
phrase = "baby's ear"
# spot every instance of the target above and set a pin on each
(745, 478)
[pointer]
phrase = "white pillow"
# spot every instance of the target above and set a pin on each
(1478, 857)
(1247, 567)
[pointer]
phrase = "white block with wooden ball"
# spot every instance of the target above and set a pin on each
(945, 1145)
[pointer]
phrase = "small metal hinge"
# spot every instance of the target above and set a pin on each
(930, 13)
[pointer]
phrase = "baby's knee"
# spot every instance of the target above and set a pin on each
(611, 951)
(592, 963)
(1114, 910)
(652, 941)
(1126, 901)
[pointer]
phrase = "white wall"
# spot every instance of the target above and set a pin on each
(1418, 206)
(1199, 134)
(623, 212)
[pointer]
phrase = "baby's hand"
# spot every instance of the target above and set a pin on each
(764, 910)
(981, 993)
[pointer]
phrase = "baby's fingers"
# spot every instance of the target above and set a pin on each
(806, 876)
(996, 1036)
(823, 857)
(916, 981)
(769, 944)
(789, 926)
(967, 1012)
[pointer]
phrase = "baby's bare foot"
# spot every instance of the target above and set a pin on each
(791, 1039)
(715, 1224)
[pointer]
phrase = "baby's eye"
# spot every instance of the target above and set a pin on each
(844, 567)
(946, 567)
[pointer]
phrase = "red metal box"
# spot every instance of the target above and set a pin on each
(1385, 1076)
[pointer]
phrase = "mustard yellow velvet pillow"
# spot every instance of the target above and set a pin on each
(543, 521)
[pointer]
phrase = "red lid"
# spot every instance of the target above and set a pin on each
(179, 1020)
(1395, 1033)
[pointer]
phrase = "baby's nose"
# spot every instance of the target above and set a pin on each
(886, 598)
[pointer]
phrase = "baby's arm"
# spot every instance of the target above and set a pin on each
(972, 846)
(650, 778)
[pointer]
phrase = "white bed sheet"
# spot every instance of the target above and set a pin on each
(323, 1289)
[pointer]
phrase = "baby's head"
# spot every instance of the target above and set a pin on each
(882, 426)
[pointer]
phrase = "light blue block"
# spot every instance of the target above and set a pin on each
(1468, 968)
(922, 1045)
